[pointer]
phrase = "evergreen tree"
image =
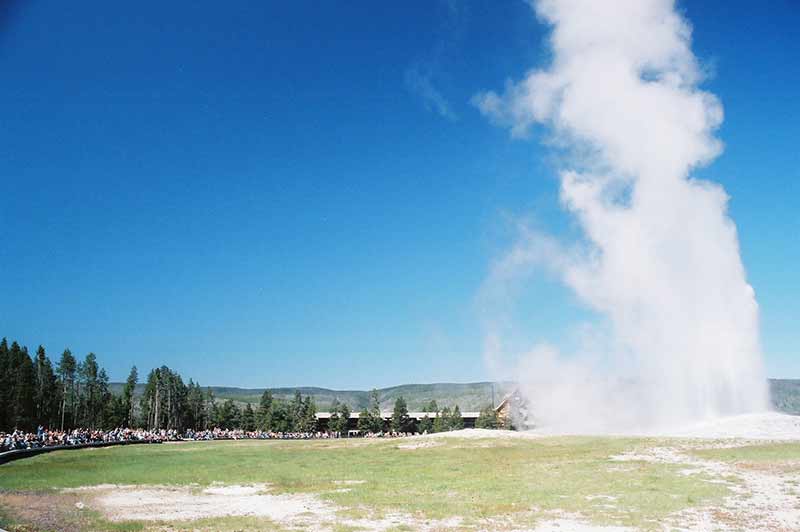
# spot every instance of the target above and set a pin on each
(426, 424)
(401, 422)
(107, 414)
(487, 419)
(308, 415)
(456, 420)
(442, 421)
(365, 423)
(24, 389)
(195, 407)
(90, 399)
(6, 375)
(431, 407)
(127, 396)
(296, 411)
(334, 419)
(248, 418)
(115, 412)
(47, 390)
(210, 409)
(42, 381)
(164, 401)
(344, 418)
(228, 415)
(66, 371)
(280, 418)
(264, 413)
(340, 415)
(375, 417)
(235, 419)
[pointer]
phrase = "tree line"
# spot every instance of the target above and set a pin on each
(34, 391)
(76, 393)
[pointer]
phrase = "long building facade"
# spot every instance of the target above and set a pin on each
(352, 423)
(511, 412)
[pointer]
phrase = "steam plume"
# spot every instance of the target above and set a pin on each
(661, 257)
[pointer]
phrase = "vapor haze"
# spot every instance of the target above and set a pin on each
(660, 255)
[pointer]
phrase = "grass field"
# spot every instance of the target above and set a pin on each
(475, 483)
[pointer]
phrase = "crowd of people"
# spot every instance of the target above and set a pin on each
(19, 440)
(238, 434)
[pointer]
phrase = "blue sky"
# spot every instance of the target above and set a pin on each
(301, 193)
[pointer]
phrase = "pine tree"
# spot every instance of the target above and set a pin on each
(487, 419)
(5, 386)
(442, 421)
(334, 419)
(228, 415)
(365, 423)
(248, 418)
(106, 414)
(375, 417)
(91, 401)
(195, 406)
(264, 413)
(456, 419)
(431, 407)
(307, 419)
(280, 418)
(43, 391)
(46, 392)
(210, 409)
(401, 422)
(340, 415)
(127, 396)
(115, 412)
(296, 411)
(66, 371)
(426, 424)
(24, 390)
(344, 418)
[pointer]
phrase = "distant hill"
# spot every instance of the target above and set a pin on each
(785, 394)
(470, 396)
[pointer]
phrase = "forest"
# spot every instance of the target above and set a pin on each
(76, 393)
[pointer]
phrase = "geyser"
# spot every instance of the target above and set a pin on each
(660, 258)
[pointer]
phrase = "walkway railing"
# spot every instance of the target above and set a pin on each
(10, 456)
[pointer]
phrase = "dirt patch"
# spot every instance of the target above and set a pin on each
(419, 444)
(45, 511)
(472, 434)
(162, 503)
(179, 504)
(402, 521)
(576, 525)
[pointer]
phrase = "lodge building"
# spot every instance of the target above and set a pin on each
(511, 410)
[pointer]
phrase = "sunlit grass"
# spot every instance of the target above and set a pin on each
(473, 479)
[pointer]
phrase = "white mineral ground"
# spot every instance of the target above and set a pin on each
(769, 426)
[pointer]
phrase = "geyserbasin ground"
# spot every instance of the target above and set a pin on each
(471, 480)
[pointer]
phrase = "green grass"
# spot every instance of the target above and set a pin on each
(474, 479)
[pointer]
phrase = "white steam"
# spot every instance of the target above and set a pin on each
(661, 256)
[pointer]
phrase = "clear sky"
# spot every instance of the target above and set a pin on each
(277, 194)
